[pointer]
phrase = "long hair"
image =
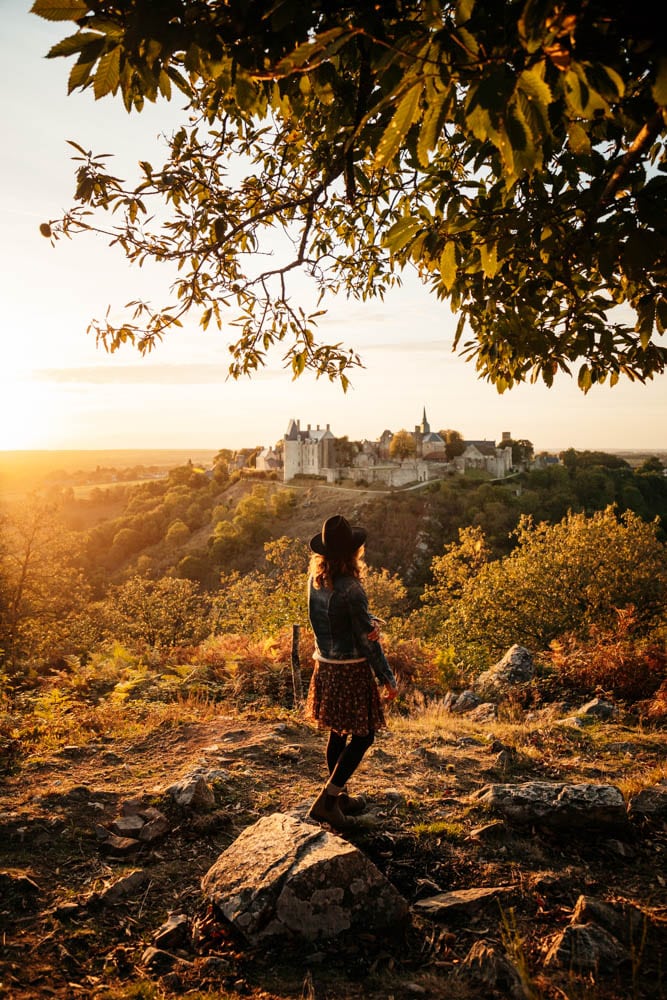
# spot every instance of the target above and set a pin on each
(324, 571)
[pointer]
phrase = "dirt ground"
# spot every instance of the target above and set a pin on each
(59, 939)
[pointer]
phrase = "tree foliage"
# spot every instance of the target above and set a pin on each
(42, 586)
(402, 445)
(164, 612)
(512, 152)
(561, 578)
(454, 443)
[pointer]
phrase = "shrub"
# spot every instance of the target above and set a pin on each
(565, 578)
(614, 662)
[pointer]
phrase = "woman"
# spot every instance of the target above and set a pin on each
(343, 696)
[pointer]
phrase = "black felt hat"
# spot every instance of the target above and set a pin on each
(337, 538)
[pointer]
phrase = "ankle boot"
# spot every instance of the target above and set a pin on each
(325, 809)
(351, 805)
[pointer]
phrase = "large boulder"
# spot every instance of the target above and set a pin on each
(557, 805)
(514, 670)
(585, 948)
(649, 803)
(283, 877)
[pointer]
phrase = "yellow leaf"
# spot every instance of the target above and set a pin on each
(448, 265)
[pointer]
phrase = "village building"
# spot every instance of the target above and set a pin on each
(430, 445)
(308, 453)
(485, 456)
(268, 460)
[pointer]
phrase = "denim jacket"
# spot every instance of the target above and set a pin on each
(341, 623)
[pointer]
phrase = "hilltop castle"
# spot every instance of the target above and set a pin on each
(312, 452)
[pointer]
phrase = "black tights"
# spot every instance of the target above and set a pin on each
(343, 758)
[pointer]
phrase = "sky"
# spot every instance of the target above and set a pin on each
(59, 391)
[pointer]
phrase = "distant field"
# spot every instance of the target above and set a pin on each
(25, 470)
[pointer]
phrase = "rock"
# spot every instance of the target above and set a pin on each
(598, 709)
(649, 803)
(557, 805)
(626, 921)
(155, 827)
(159, 961)
(394, 795)
(469, 741)
(119, 846)
(192, 792)
(460, 903)
(282, 877)
(123, 888)
(515, 668)
(174, 932)
(575, 721)
(214, 968)
(71, 752)
(486, 712)
(619, 848)
(489, 831)
(132, 807)
(128, 826)
(504, 760)
(585, 948)
(465, 702)
(485, 966)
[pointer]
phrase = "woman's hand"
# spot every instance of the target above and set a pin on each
(374, 635)
(390, 692)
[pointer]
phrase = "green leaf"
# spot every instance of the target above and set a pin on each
(164, 83)
(73, 43)
(108, 73)
(324, 46)
(533, 84)
(401, 233)
(60, 10)
(448, 265)
(85, 64)
(538, 98)
(585, 379)
(489, 255)
(579, 140)
(531, 23)
(659, 88)
(406, 113)
(431, 128)
(661, 315)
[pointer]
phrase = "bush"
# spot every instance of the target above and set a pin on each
(565, 578)
(612, 662)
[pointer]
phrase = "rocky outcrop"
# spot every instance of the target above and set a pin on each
(585, 948)
(649, 803)
(557, 805)
(514, 670)
(283, 877)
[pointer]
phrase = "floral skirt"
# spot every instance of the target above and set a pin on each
(344, 697)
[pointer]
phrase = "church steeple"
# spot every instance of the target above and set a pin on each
(425, 428)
